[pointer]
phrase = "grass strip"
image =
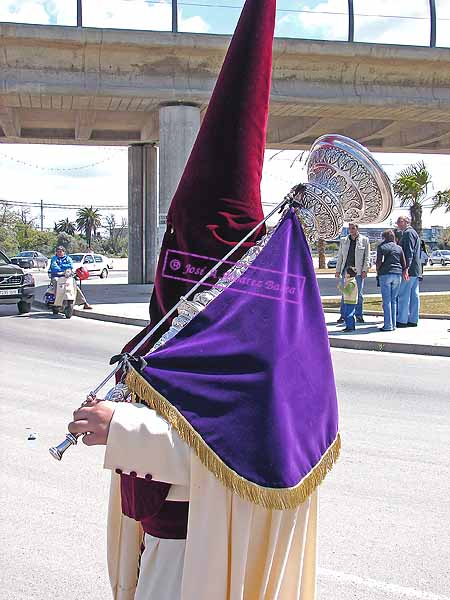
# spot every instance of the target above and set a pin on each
(433, 304)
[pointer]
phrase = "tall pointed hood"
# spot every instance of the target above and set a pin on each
(218, 199)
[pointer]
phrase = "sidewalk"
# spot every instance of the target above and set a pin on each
(118, 302)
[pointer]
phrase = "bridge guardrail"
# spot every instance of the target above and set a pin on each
(422, 22)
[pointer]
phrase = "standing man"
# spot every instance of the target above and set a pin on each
(354, 251)
(408, 298)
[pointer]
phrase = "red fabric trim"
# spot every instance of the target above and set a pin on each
(170, 523)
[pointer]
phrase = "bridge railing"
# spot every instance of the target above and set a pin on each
(418, 22)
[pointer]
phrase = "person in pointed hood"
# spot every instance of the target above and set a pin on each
(218, 199)
(216, 462)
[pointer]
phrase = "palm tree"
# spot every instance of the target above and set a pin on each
(441, 200)
(321, 252)
(88, 221)
(65, 226)
(410, 187)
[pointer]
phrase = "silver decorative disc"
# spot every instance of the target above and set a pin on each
(349, 171)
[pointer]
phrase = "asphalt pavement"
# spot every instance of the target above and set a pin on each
(384, 509)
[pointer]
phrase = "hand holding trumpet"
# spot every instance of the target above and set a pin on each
(92, 421)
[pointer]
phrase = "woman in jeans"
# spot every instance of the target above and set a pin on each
(391, 266)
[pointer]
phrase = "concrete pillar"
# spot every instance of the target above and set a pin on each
(178, 128)
(142, 213)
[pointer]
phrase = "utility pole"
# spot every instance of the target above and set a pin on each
(174, 16)
(432, 23)
(79, 13)
(42, 215)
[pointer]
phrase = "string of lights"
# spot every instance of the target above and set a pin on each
(25, 204)
(58, 169)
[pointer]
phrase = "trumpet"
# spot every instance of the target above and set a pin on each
(70, 440)
(119, 393)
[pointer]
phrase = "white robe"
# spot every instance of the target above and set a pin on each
(235, 550)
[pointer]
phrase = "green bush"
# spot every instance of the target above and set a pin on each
(72, 243)
(8, 242)
(29, 238)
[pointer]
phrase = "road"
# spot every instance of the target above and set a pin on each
(432, 282)
(384, 510)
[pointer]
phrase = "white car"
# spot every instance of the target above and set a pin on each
(440, 257)
(96, 264)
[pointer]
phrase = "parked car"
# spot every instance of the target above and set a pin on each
(331, 264)
(440, 257)
(96, 264)
(16, 286)
(29, 259)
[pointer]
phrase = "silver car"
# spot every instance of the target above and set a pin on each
(440, 257)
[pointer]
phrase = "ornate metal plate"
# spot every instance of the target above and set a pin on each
(348, 170)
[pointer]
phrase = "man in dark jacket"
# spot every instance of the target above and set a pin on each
(408, 298)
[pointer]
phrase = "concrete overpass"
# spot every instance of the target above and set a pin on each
(65, 85)
(99, 86)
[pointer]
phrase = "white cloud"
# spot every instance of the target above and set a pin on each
(375, 21)
(121, 14)
(127, 15)
(137, 15)
(194, 25)
(25, 11)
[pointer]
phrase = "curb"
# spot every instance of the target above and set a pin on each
(375, 313)
(100, 316)
(335, 342)
(110, 318)
(394, 347)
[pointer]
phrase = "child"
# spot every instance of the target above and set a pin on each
(350, 292)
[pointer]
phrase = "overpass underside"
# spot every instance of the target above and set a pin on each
(95, 86)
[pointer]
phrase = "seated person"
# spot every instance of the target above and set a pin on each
(59, 263)
(58, 266)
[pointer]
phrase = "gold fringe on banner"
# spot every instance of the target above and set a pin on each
(272, 498)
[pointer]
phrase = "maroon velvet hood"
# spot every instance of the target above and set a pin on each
(218, 200)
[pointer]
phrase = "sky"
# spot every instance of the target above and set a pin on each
(384, 21)
(74, 175)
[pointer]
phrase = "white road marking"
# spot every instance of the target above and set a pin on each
(382, 586)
